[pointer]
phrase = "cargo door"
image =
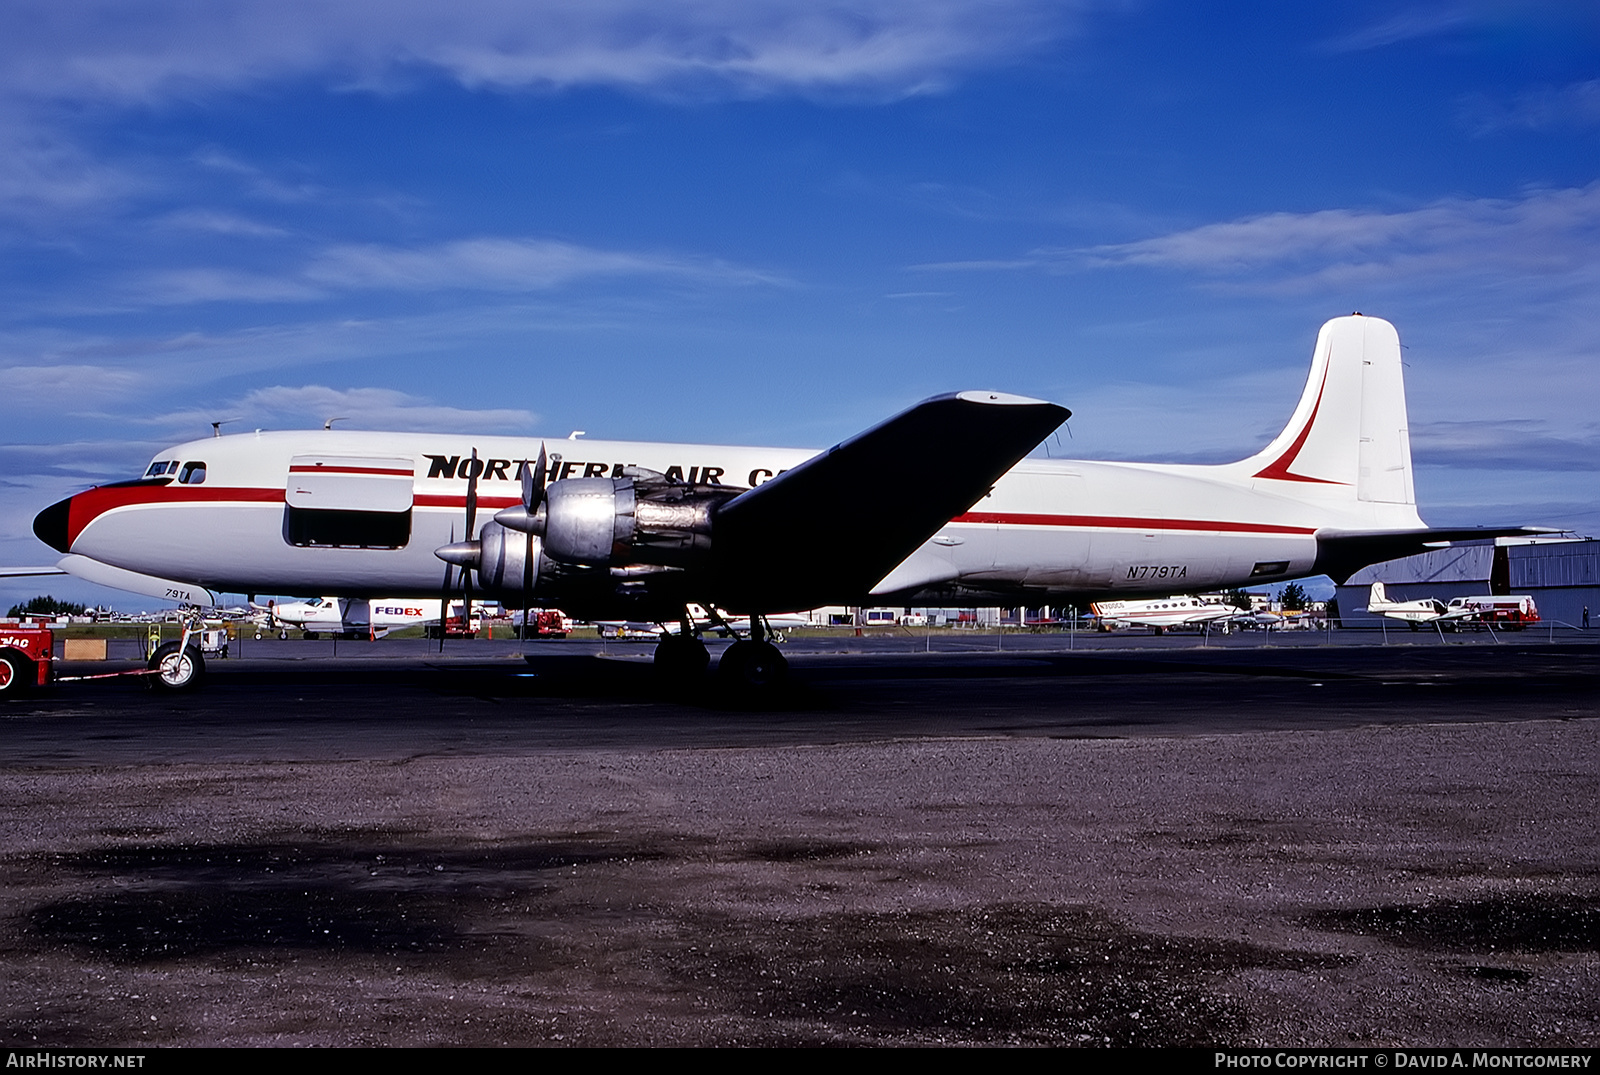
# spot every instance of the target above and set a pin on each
(346, 501)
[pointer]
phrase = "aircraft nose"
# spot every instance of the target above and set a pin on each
(51, 525)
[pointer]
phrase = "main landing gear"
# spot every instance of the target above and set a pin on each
(751, 669)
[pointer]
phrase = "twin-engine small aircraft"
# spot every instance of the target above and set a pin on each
(935, 506)
(1514, 611)
(1416, 613)
(1178, 611)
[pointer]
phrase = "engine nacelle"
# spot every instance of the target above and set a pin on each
(606, 522)
(587, 518)
(504, 565)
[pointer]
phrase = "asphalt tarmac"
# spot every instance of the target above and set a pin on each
(1301, 841)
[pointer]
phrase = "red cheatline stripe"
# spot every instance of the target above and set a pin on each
(426, 500)
(91, 504)
(87, 506)
(1118, 522)
(389, 471)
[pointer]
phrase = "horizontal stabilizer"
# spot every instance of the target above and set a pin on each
(1341, 553)
(828, 530)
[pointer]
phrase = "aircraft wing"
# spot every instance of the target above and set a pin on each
(1341, 553)
(28, 572)
(826, 532)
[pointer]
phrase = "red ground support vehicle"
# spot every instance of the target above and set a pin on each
(27, 661)
(26, 658)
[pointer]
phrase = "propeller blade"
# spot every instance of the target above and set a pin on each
(527, 580)
(533, 482)
(472, 495)
(444, 592)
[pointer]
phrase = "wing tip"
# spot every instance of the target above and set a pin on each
(1002, 399)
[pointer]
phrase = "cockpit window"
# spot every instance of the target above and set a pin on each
(192, 474)
(157, 469)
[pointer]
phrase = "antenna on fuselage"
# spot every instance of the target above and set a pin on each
(216, 427)
(329, 423)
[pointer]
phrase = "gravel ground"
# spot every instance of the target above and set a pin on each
(1416, 885)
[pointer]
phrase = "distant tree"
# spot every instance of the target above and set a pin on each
(1237, 598)
(47, 606)
(1292, 597)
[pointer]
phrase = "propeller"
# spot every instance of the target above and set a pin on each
(462, 554)
(532, 494)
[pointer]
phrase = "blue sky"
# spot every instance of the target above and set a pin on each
(780, 222)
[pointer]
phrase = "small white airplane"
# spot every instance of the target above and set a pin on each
(347, 616)
(1178, 611)
(1416, 613)
(935, 506)
(1515, 611)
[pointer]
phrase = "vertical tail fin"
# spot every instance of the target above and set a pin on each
(1348, 435)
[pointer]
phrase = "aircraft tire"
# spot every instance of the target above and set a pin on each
(752, 668)
(177, 671)
(681, 660)
(17, 674)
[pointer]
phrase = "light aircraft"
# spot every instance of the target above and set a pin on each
(935, 506)
(1416, 613)
(348, 616)
(1179, 611)
(1512, 611)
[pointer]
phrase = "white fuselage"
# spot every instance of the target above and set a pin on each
(1048, 529)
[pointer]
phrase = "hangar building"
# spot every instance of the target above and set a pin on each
(1562, 576)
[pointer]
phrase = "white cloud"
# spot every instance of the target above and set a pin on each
(361, 408)
(110, 50)
(1406, 24)
(501, 264)
(211, 221)
(1547, 108)
(1545, 232)
(77, 386)
(182, 286)
(489, 264)
(43, 176)
(1515, 444)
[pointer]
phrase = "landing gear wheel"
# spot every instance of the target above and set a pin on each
(17, 674)
(752, 669)
(681, 660)
(177, 671)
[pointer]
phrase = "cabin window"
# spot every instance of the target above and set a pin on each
(192, 474)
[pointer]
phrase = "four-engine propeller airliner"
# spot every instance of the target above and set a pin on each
(935, 506)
